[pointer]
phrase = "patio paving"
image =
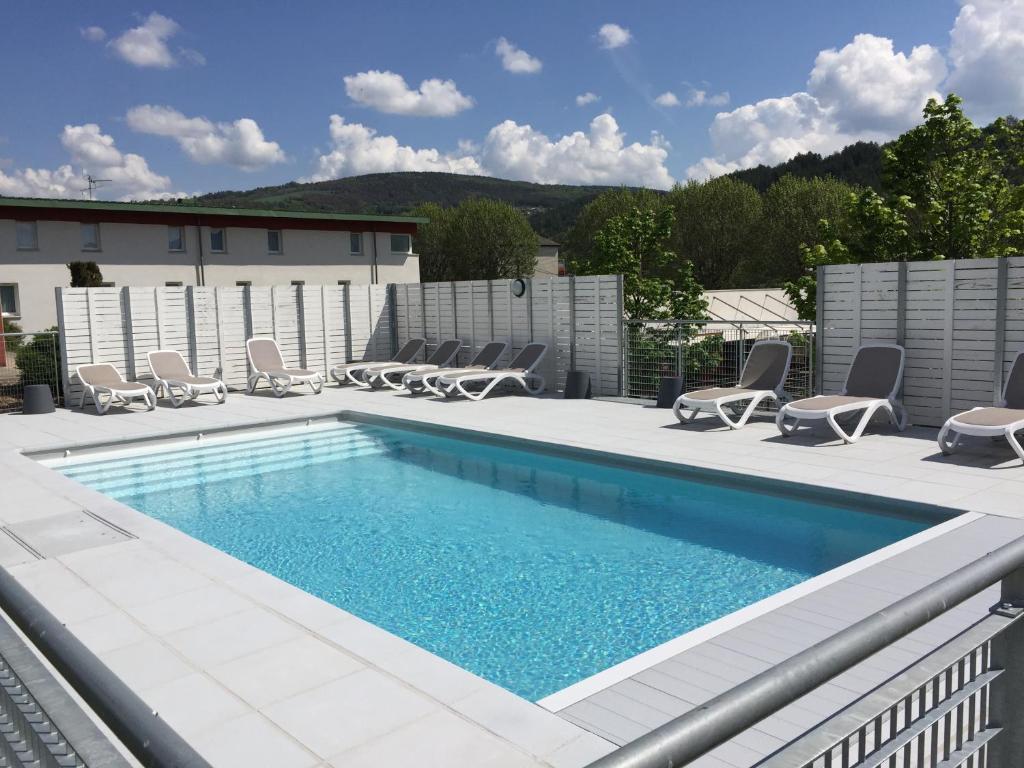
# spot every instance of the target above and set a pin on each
(252, 670)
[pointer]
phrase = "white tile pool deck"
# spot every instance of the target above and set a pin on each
(252, 671)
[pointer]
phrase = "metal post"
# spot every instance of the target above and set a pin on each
(819, 332)
(1006, 699)
(999, 347)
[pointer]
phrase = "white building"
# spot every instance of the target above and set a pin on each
(144, 244)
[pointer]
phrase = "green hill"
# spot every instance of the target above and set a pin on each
(551, 208)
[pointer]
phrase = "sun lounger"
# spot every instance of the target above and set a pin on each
(266, 362)
(1004, 420)
(521, 372)
(104, 379)
(763, 378)
(171, 372)
(353, 372)
(426, 381)
(390, 375)
(872, 384)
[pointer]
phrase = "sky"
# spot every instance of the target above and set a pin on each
(182, 98)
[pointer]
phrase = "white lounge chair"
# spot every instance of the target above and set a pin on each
(104, 379)
(390, 375)
(426, 381)
(520, 372)
(266, 362)
(763, 378)
(1004, 420)
(171, 372)
(872, 384)
(353, 372)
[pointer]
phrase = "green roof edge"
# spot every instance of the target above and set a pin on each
(90, 205)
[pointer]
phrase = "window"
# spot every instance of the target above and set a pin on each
(174, 284)
(107, 285)
(243, 283)
(9, 300)
(345, 282)
(90, 236)
(28, 235)
(401, 243)
(274, 241)
(355, 243)
(175, 238)
(298, 282)
(218, 241)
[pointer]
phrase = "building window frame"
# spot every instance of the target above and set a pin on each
(243, 283)
(223, 240)
(181, 239)
(21, 227)
(4, 312)
(108, 284)
(96, 244)
(280, 242)
(298, 283)
(407, 251)
(174, 284)
(355, 243)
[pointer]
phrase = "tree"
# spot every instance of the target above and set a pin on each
(85, 274)
(477, 239)
(39, 360)
(945, 195)
(578, 243)
(716, 225)
(793, 210)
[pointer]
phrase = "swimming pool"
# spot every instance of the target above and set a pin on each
(531, 570)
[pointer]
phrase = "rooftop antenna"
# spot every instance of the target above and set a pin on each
(92, 184)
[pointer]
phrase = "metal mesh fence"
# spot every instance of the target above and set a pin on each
(28, 358)
(708, 353)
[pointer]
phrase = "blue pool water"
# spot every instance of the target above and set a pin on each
(531, 571)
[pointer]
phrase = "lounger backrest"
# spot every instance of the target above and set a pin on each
(99, 375)
(409, 350)
(490, 354)
(1013, 393)
(876, 371)
(767, 365)
(264, 355)
(528, 359)
(168, 364)
(445, 352)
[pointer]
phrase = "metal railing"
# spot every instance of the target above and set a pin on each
(708, 353)
(961, 705)
(28, 358)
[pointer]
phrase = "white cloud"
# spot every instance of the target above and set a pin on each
(586, 98)
(240, 144)
(987, 56)
(93, 34)
(388, 92)
(357, 149)
(146, 45)
(701, 98)
(864, 91)
(613, 36)
(510, 150)
(600, 156)
(667, 99)
(127, 176)
(515, 59)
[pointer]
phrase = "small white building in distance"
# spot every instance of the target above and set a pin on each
(153, 245)
(548, 260)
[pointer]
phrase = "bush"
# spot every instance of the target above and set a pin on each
(39, 361)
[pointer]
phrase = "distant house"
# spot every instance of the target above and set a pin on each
(156, 245)
(548, 264)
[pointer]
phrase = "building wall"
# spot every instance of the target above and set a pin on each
(137, 254)
(547, 261)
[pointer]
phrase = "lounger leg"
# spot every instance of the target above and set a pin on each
(102, 407)
(150, 397)
(537, 388)
(948, 446)
(357, 380)
(81, 400)
(861, 425)
(684, 417)
(780, 422)
(1011, 438)
(250, 384)
(747, 413)
(221, 393)
(317, 385)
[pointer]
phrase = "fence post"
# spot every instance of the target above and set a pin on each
(572, 322)
(1006, 702)
(1002, 267)
(818, 372)
(130, 371)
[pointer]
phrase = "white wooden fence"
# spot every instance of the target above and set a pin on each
(961, 322)
(579, 318)
(321, 326)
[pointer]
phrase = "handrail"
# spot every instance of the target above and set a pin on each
(154, 743)
(700, 730)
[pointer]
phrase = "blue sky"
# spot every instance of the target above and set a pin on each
(185, 97)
